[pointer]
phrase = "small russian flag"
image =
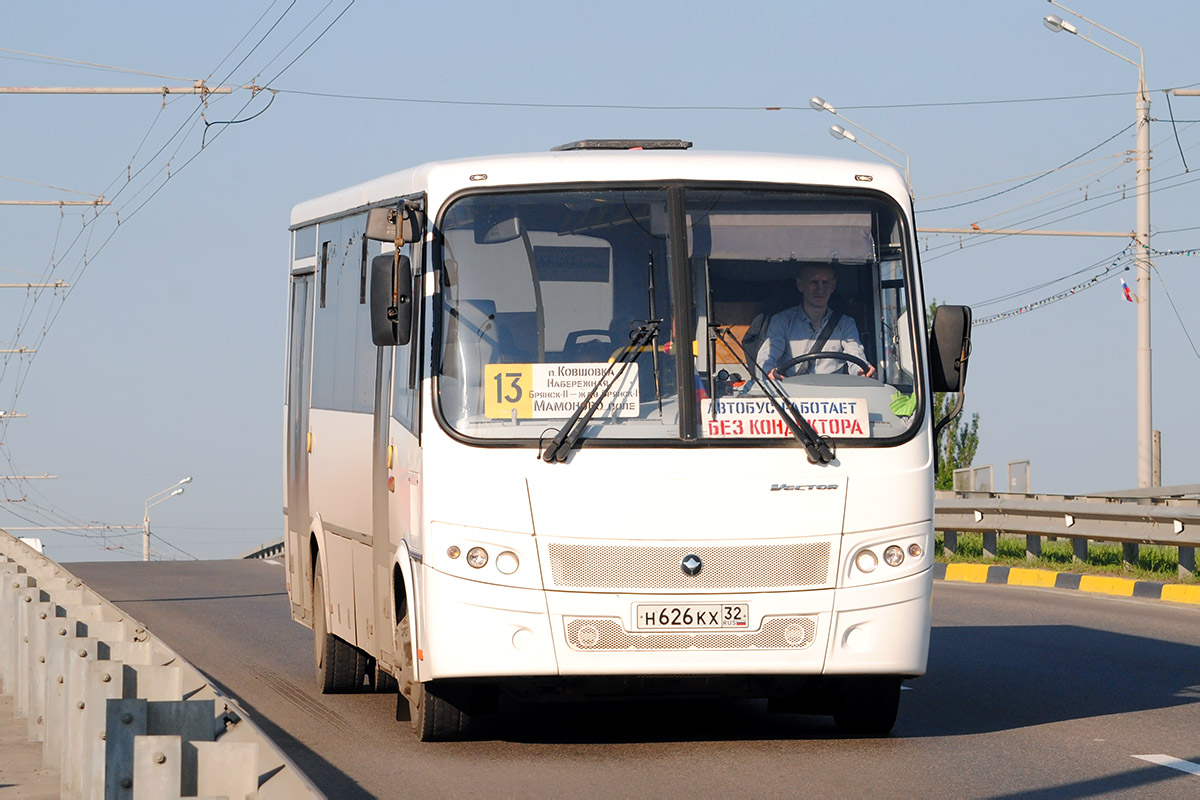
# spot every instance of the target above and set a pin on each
(1125, 288)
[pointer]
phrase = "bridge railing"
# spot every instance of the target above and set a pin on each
(119, 713)
(1132, 518)
(271, 550)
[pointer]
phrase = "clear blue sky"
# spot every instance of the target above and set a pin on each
(166, 357)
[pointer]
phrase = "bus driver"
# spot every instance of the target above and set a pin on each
(812, 327)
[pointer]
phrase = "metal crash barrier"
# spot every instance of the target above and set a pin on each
(119, 713)
(1151, 516)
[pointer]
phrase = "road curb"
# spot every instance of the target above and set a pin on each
(1097, 584)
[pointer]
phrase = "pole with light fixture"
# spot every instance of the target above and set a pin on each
(839, 132)
(175, 489)
(1141, 257)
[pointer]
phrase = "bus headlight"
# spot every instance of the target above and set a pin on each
(477, 557)
(866, 561)
(507, 562)
(893, 556)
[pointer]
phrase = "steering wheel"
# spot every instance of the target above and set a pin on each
(783, 367)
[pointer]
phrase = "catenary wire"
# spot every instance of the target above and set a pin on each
(1087, 152)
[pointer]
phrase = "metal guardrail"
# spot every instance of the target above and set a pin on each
(119, 713)
(271, 550)
(1132, 518)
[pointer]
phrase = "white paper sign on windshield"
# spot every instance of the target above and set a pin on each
(755, 417)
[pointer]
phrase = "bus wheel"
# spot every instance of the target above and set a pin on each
(382, 681)
(437, 711)
(340, 666)
(867, 706)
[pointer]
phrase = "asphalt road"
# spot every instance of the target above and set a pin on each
(1031, 693)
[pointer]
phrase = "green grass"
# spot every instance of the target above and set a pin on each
(1155, 562)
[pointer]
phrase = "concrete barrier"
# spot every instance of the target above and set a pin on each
(119, 713)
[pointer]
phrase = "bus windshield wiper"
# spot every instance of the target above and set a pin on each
(569, 434)
(820, 450)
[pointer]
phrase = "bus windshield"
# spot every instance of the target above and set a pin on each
(750, 292)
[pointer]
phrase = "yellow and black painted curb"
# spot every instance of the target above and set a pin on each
(1099, 584)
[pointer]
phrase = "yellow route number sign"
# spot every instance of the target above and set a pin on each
(554, 391)
(508, 388)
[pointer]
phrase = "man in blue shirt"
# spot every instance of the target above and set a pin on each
(794, 332)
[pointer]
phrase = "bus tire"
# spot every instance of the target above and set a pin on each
(340, 666)
(868, 706)
(438, 711)
(382, 681)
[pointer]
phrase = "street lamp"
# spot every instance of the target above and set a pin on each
(165, 494)
(838, 132)
(1141, 256)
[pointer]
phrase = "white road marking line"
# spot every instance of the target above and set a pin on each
(1172, 762)
(273, 561)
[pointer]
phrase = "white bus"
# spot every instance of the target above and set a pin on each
(535, 443)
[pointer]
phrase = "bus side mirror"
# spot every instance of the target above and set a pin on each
(381, 224)
(391, 300)
(949, 348)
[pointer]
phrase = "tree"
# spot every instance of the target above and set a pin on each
(959, 440)
(958, 443)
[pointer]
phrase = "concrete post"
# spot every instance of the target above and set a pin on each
(1033, 548)
(81, 655)
(950, 543)
(991, 543)
(227, 769)
(1130, 555)
(103, 684)
(189, 720)
(39, 626)
(1079, 550)
(157, 768)
(60, 639)
(27, 601)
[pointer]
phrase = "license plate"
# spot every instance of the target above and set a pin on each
(699, 615)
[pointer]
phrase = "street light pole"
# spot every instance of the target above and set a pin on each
(1141, 256)
(174, 489)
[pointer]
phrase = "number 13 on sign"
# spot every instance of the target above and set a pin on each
(506, 387)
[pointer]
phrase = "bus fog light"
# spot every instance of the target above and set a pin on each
(866, 561)
(453, 551)
(507, 562)
(893, 556)
(477, 557)
(915, 550)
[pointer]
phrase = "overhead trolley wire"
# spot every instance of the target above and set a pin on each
(1178, 316)
(245, 35)
(1035, 178)
(38, 58)
(88, 228)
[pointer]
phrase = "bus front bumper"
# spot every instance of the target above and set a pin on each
(479, 630)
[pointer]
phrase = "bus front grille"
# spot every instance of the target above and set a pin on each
(739, 567)
(775, 633)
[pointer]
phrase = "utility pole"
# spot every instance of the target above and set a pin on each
(1141, 256)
